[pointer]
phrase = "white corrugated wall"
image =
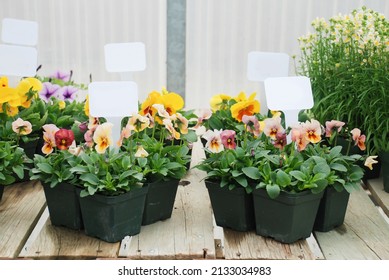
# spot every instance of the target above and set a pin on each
(72, 35)
(220, 33)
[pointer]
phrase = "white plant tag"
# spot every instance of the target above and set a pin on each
(263, 65)
(113, 101)
(19, 32)
(18, 61)
(289, 95)
(125, 57)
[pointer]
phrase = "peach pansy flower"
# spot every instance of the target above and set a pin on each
(103, 137)
(333, 125)
(21, 127)
(49, 138)
(299, 138)
(138, 122)
(141, 152)
(214, 142)
(359, 140)
(204, 115)
(312, 131)
(169, 126)
(370, 161)
(273, 127)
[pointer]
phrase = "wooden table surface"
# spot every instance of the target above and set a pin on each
(191, 233)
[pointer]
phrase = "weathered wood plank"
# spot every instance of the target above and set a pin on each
(53, 242)
(20, 209)
(188, 234)
(381, 197)
(246, 246)
(364, 234)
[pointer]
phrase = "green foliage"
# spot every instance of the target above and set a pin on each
(347, 60)
(55, 168)
(110, 173)
(164, 162)
(12, 163)
(72, 113)
(259, 164)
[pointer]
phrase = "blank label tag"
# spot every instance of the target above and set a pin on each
(19, 32)
(113, 99)
(18, 61)
(263, 65)
(125, 57)
(289, 95)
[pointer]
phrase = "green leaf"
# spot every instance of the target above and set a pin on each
(322, 168)
(242, 181)
(335, 151)
(273, 190)
(79, 169)
(338, 167)
(18, 171)
(45, 167)
(126, 163)
(252, 172)
(283, 179)
(298, 175)
(142, 162)
(235, 173)
(90, 178)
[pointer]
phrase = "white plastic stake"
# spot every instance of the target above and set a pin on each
(18, 56)
(263, 65)
(113, 101)
(19, 32)
(18, 61)
(289, 95)
(125, 58)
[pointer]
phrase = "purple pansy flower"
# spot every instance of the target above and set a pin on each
(48, 90)
(67, 93)
(61, 76)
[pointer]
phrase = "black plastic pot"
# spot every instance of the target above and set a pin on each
(287, 218)
(332, 210)
(232, 209)
(1, 192)
(111, 218)
(29, 148)
(160, 201)
(384, 156)
(63, 205)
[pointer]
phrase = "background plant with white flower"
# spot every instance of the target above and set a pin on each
(347, 60)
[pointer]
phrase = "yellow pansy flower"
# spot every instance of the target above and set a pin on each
(86, 106)
(248, 108)
(219, 102)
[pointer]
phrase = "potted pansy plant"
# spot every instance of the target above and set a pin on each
(229, 149)
(294, 179)
(53, 169)
(164, 137)
(111, 193)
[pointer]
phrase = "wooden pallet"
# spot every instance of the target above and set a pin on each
(20, 209)
(191, 233)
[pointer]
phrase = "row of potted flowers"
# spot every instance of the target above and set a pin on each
(78, 164)
(258, 179)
